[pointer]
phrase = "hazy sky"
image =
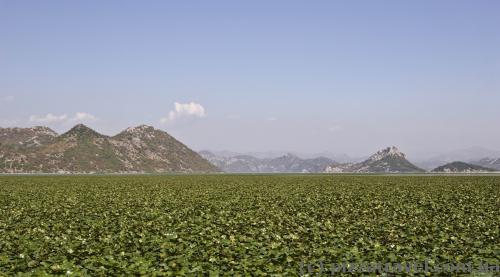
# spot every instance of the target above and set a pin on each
(309, 76)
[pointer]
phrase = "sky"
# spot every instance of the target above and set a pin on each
(306, 76)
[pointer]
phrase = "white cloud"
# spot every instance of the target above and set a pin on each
(272, 118)
(82, 116)
(48, 118)
(186, 110)
(63, 118)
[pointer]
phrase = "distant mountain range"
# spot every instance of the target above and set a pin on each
(473, 155)
(489, 162)
(144, 149)
(288, 163)
(83, 150)
(338, 157)
(389, 160)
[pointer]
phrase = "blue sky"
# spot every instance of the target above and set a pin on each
(308, 76)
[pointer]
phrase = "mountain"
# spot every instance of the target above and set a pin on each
(389, 160)
(469, 155)
(338, 157)
(147, 147)
(288, 163)
(493, 163)
(26, 137)
(292, 163)
(461, 167)
(235, 164)
(83, 150)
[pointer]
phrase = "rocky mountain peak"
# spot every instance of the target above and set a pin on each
(140, 129)
(392, 151)
(42, 130)
(388, 160)
(26, 137)
(81, 130)
(81, 127)
(139, 132)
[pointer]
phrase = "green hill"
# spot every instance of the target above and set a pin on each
(461, 167)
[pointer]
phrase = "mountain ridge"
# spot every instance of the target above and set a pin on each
(83, 150)
(387, 160)
(26, 137)
(338, 157)
(461, 167)
(493, 163)
(472, 155)
(288, 163)
(144, 149)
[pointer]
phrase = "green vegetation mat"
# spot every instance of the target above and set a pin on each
(241, 225)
